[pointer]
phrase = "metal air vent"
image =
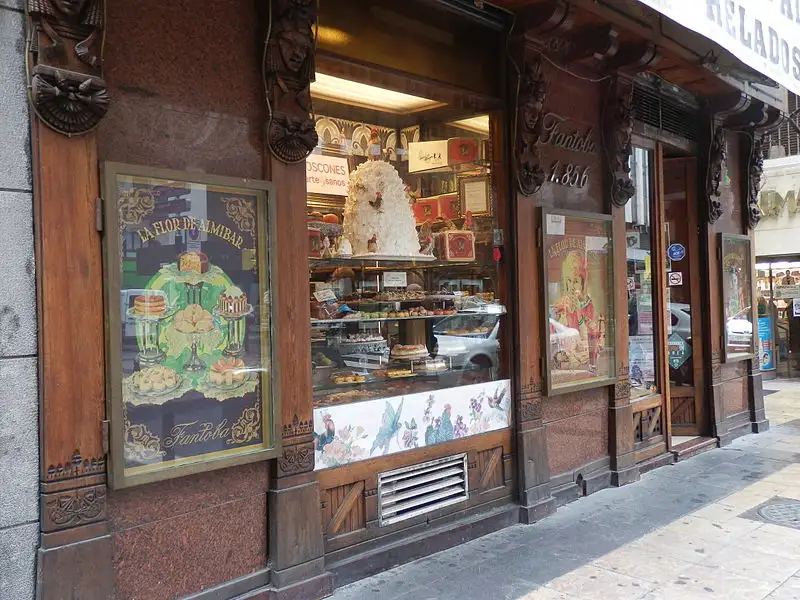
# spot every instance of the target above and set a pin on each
(666, 110)
(412, 491)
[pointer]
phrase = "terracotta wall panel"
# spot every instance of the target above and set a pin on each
(575, 441)
(186, 93)
(185, 86)
(577, 423)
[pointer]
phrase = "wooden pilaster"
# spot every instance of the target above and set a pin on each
(75, 550)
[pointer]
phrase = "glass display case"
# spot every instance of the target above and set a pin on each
(404, 283)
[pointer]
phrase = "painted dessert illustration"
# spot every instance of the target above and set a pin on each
(233, 301)
(194, 319)
(193, 261)
(155, 380)
(227, 372)
(149, 305)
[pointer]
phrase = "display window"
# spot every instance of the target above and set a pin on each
(640, 259)
(405, 285)
(578, 265)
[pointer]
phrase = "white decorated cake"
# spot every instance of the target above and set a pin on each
(378, 219)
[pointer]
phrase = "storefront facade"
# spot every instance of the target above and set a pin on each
(464, 200)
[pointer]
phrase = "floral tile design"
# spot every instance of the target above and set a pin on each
(353, 432)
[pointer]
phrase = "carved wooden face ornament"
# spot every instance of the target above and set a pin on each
(70, 8)
(294, 48)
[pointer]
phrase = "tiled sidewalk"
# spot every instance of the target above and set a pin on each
(688, 531)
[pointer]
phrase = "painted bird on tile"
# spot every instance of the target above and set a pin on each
(390, 426)
(496, 400)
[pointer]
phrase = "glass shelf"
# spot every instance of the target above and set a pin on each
(497, 309)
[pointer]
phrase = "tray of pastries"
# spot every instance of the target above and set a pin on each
(409, 351)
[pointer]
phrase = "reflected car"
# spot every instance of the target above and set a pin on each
(740, 331)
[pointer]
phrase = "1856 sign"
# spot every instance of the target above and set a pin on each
(556, 134)
(190, 328)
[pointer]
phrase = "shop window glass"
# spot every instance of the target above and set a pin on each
(407, 302)
(639, 252)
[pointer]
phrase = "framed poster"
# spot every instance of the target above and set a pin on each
(474, 195)
(190, 333)
(578, 276)
(737, 297)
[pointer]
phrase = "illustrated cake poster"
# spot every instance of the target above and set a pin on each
(378, 217)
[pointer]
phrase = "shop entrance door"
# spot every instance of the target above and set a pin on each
(688, 412)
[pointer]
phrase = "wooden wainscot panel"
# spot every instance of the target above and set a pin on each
(343, 509)
(349, 494)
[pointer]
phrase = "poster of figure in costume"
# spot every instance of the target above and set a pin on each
(578, 255)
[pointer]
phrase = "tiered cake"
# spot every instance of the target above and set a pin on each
(378, 219)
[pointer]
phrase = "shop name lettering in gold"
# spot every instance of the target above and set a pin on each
(187, 224)
(571, 243)
(184, 434)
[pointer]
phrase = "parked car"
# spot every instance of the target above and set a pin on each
(740, 331)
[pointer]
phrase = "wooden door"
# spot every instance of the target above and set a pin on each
(684, 335)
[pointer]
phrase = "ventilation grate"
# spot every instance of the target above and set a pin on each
(412, 491)
(657, 107)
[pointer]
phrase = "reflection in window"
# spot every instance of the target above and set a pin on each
(638, 238)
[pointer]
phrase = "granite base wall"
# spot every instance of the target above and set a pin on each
(19, 445)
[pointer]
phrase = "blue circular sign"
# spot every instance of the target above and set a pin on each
(676, 252)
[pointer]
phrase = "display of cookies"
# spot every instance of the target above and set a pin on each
(395, 373)
(193, 262)
(155, 379)
(339, 379)
(227, 371)
(194, 319)
(149, 305)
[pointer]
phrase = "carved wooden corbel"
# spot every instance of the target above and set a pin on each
(619, 129)
(530, 113)
(599, 42)
(65, 41)
(755, 170)
(288, 72)
(717, 155)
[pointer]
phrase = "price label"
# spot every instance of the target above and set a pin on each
(325, 295)
(394, 279)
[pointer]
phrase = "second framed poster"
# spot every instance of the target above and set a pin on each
(578, 276)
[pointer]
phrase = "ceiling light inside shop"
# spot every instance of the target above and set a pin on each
(479, 124)
(328, 87)
(333, 36)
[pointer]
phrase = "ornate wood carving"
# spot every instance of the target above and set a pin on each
(594, 41)
(296, 459)
(288, 72)
(529, 401)
(619, 129)
(65, 63)
(755, 170)
(717, 155)
(530, 113)
(73, 507)
(76, 466)
(297, 428)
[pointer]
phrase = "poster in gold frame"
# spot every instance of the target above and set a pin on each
(191, 383)
(736, 277)
(578, 288)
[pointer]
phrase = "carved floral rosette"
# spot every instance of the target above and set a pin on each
(64, 70)
(289, 70)
(530, 115)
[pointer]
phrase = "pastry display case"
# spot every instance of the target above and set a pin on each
(406, 297)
